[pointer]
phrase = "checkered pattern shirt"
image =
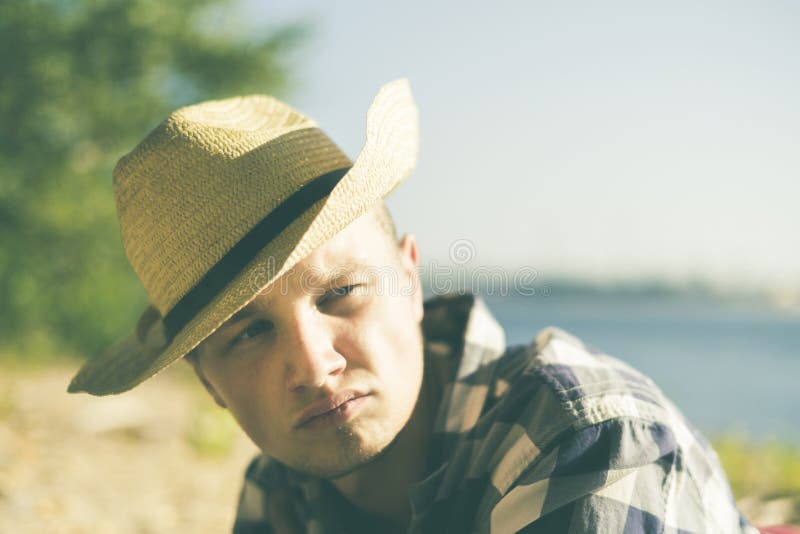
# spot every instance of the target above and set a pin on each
(548, 437)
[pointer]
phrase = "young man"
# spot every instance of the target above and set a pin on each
(273, 269)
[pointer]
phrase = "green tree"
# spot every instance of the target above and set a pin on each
(81, 82)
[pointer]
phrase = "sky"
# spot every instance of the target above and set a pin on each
(616, 141)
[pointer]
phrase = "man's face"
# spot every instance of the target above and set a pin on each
(323, 369)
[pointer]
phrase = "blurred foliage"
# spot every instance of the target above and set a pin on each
(212, 431)
(770, 469)
(82, 81)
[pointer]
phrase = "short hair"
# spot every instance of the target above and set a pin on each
(380, 214)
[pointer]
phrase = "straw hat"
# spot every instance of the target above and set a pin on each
(224, 197)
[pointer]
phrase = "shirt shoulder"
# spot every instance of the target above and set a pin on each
(592, 386)
(557, 384)
(580, 435)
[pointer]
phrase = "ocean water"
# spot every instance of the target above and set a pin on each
(731, 366)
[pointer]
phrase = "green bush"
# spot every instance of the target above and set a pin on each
(770, 469)
(81, 82)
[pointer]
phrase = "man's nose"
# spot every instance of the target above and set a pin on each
(311, 356)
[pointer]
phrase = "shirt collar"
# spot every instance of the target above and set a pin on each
(454, 322)
(461, 336)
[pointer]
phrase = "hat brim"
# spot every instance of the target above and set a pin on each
(389, 155)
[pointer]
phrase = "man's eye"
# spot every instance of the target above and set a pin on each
(337, 293)
(255, 329)
(344, 290)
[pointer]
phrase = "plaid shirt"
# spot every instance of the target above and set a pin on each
(549, 437)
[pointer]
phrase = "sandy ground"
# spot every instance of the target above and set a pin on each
(160, 458)
(135, 463)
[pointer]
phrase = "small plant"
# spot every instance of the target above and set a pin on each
(211, 432)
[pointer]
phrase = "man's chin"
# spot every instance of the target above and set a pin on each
(351, 454)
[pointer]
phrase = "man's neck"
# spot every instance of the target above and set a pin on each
(381, 488)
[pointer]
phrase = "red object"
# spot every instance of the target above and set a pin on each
(780, 529)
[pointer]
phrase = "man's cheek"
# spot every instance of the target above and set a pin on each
(253, 418)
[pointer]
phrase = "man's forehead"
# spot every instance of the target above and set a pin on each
(306, 277)
(361, 244)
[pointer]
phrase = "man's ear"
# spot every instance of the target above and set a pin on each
(194, 360)
(409, 260)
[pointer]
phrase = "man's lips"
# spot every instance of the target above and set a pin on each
(327, 404)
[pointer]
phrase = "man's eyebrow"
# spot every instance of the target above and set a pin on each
(241, 315)
(245, 313)
(337, 274)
